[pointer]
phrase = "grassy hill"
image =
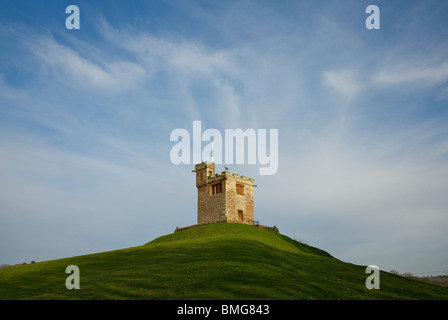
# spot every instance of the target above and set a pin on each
(218, 261)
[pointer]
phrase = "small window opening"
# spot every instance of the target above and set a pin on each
(239, 189)
(215, 188)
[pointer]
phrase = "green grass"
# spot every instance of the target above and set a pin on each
(218, 261)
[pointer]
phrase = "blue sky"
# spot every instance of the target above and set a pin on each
(86, 116)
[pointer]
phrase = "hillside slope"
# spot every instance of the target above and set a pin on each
(218, 261)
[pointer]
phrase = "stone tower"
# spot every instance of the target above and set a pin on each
(223, 197)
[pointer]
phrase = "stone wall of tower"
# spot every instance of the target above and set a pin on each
(239, 202)
(211, 208)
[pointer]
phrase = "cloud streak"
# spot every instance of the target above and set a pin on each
(410, 74)
(69, 65)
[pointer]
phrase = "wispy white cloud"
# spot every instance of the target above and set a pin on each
(239, 84)
(409, 73)
(193, 73)
(69, 66)
(344, 82)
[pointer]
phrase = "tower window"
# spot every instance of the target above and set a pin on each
(215, 188)
(239, 189)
